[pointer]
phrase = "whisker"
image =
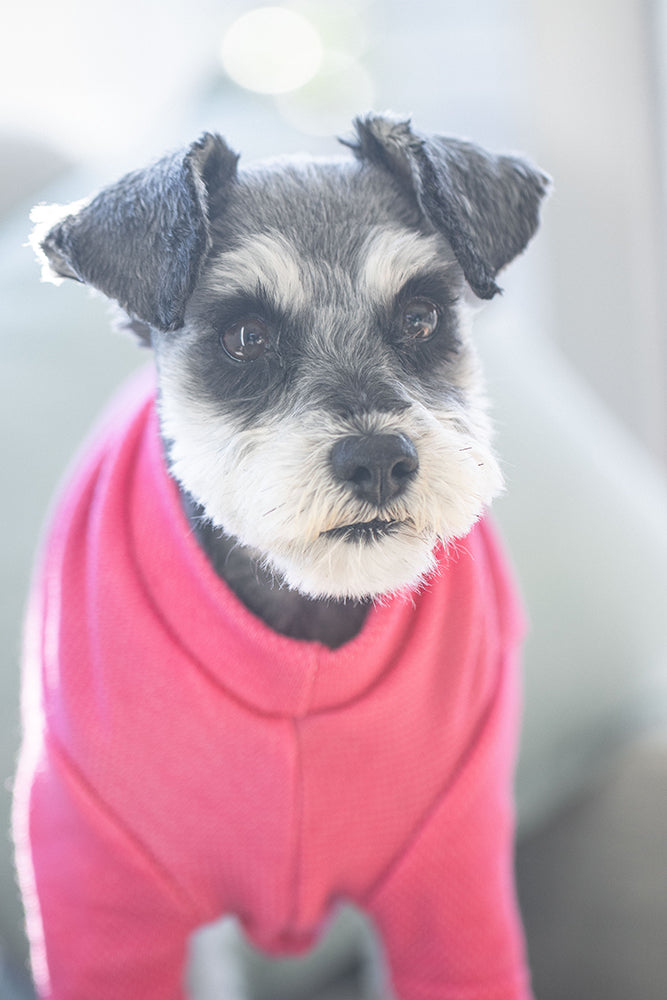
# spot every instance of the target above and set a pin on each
(273, 510)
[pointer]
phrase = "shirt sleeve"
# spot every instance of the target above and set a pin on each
(104, 920)
(446, 909)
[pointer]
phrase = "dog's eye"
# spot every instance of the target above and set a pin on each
(419, 319)
(246, 340)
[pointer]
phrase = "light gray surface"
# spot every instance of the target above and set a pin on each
(585, 519)
(593, 887)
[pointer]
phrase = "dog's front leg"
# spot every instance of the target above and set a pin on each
(446, 909)
(106, 922)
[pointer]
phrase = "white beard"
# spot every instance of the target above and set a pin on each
(271, 487)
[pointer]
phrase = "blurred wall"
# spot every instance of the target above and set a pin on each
(598, 78)
(577, 83)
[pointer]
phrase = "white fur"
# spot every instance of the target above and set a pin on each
(271, 486)
(267, 258)
(44, 218)
(392, 256)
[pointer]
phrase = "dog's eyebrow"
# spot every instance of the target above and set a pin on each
(265, 258)
(391, 257)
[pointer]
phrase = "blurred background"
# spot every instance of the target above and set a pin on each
(576, 355)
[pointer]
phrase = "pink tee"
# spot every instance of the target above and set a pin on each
(182, 761)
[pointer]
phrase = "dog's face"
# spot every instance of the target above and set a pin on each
(325, 321)
(319, 393)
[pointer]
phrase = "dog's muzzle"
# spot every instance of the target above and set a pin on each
(375, 467)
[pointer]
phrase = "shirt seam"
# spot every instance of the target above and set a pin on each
(187, 902)
(429, 813)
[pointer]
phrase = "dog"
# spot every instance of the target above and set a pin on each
(270, 656)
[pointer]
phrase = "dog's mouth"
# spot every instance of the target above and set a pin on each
(363, 531)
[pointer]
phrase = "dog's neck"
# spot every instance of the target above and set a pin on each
(330, 622)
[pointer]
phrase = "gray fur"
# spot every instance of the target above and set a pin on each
(162, 217)
(326, 257)
(157, 219)
(487, 206)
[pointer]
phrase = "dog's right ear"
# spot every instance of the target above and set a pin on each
(141, 241)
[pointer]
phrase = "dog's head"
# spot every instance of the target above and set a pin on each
(319, 394)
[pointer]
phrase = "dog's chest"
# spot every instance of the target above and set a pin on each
(220, 742)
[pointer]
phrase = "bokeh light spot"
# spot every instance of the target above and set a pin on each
(271, 50)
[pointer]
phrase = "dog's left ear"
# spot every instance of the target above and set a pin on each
(487, 206)
(141, 241)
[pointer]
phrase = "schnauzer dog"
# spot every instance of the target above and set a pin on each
(270, 658)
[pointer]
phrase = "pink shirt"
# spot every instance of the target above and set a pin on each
(182, 761)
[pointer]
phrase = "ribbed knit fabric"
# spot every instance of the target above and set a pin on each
(182, 761)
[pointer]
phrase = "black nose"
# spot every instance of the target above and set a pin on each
(377, 466)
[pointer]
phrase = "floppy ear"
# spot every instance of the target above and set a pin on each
(142, 240)
(487, 206)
